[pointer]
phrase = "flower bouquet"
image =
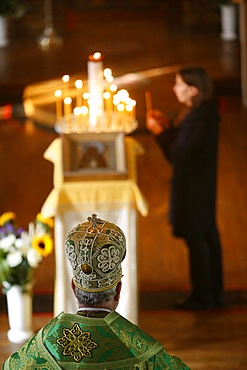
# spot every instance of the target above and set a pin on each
(22, 251)
(14, 8)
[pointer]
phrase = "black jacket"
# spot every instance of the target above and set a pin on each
(192, 150)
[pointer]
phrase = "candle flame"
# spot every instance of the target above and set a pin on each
(123, 94)
(86, 95)
(77, 111)
(78, 84)
(116, 100)
(109, 78)
(66, 78)
(106, 95)
(97, 56)
(113, 87)
(107, 72)
(58, 93)
(84, 110)
(67, 100)
(120, 107)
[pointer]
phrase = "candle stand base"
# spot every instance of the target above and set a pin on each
(49, 39)
(19, 336)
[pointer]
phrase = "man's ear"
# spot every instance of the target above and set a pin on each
(118, 290)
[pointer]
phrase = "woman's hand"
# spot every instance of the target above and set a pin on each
(156, 121)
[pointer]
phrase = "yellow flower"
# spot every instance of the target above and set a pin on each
(47, 221)
(43, 244)
(6, 217)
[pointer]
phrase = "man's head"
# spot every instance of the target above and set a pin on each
(96, 249)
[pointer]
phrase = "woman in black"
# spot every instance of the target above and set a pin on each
(190, 144)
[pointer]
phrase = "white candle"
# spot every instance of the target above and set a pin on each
(78, 85)
(108, 103)
(58, 94)
(95, 85)
(148, 99)
(113, 87)
(133, 103)
(121, 116)
(84, 112)
(65, 80)
(67, 108)
(108, 74)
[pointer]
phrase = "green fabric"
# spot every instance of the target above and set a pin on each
(75, 342)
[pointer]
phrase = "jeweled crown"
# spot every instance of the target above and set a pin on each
(96, 249)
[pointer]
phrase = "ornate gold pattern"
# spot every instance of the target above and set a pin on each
(76, 343)
(28, 358)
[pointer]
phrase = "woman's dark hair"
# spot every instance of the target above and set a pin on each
(198, 77)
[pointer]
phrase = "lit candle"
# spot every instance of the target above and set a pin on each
(78, 85)
(67, 108)
(86, 96)
(123, 95)
(120, 108)
(58, 94)
(108, 103)
(65, 80)
(77, 113)
(95, 85)
(133, 103)
(148, 101)
(108, 74)
(113, 87)
(84, 112)
(115, 101)
(129, 109)
(109, 78)
(108, 94)
(112, 90)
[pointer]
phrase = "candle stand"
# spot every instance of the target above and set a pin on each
(94, 168)
(49, 38)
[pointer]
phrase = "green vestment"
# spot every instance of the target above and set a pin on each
(72, 342)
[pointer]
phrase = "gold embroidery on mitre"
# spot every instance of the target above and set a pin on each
(76, 343)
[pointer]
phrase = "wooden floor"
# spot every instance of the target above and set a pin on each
(144, 48)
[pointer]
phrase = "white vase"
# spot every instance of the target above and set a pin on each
(20, 307)
(3, 31)
(229, 22)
